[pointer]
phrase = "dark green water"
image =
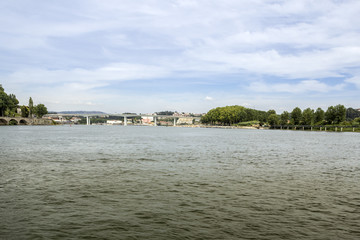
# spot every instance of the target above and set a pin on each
(115, 182)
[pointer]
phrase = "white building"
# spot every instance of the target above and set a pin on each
(114, 122)
(147, 120)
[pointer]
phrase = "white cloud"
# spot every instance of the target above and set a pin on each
(354, 80)
(79, 78)
(317, 63)
(78, 48)
(301, 87)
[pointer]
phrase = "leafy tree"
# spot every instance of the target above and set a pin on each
(12, 104)
(335, 115)
(272, 111)
(340, 111)
(31, 107)
(273, 119)
(284, 118)
(351, 114)
(296, 116)
(268, 113)
(330, 115)
(3, 101)
(356, 121)
(40, 110)
(8, 103)
(308, 116)
(24, 111)
(319, 115)
(232, 115)
(167, 113)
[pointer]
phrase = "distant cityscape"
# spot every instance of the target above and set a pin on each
(163, 118)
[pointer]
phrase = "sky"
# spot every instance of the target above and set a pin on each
(143, 56)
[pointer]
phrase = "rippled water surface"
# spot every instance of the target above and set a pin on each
(115, 182)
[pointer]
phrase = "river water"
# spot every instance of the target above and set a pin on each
(115, 182)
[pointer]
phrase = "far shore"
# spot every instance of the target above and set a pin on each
(215, 126)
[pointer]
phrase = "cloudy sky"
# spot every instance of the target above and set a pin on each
(186, 55)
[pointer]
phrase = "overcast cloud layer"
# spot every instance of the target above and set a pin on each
(184, 55)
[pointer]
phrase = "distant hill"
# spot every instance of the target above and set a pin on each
(80, 112)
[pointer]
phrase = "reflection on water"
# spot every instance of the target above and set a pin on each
(116, 182)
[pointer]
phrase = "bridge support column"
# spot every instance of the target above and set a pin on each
(155, 121)
(174, 122)
(125, 121)
(87, 120)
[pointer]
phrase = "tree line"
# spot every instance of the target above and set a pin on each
(233, 115)
(9, 106)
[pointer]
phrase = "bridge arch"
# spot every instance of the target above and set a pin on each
(13, 122)
(3, 121)
(23, 122)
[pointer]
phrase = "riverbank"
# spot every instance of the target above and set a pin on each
(4, 121)
(222, 127)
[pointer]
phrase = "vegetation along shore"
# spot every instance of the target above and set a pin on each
(335, 118)
(12, 113)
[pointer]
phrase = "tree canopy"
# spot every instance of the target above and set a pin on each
(232, 115)
(9, 105)
(40, 110)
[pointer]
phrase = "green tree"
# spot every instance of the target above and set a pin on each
(340, 111)
(232, 115)
(3, 101)
(356, 121)
(31, 107)
(24, 111)
(330, 115)
(284, 118)
(319, 116)
(12, 104)
(40, 110)
(335, 115)
(351, 114)
(308, 116)
(271, 111)
(273, 119)
(296, 116)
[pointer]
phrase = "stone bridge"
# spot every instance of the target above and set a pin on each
(24, 121)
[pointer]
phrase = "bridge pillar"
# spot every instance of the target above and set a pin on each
(125, 121)
(155, 121)
(174, 121)
(87, 120)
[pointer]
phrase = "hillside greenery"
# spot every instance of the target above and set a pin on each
(242, 116)
(9, 106)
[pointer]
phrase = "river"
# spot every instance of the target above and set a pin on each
(116, 182)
